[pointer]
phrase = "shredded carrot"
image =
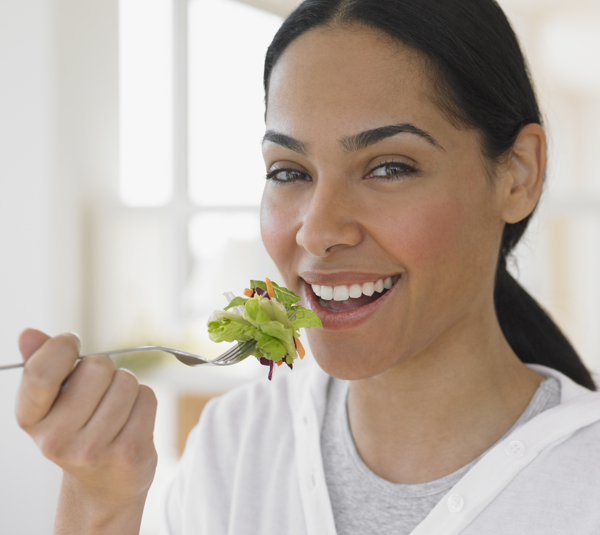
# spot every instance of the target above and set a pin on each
(299, 348)
(279, 363)
(248, 292)
(270, 287)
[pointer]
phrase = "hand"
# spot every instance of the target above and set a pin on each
(94, 421)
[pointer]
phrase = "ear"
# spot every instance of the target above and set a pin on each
(523, 174)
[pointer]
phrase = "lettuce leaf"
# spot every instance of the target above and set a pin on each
(229, 327)
(286, 297)
(237, 301)
(305, 319)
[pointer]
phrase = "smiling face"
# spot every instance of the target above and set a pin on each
(369, 181)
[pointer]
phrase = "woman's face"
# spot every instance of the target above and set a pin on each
(369, 181)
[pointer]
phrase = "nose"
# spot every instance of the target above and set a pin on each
(330, 220)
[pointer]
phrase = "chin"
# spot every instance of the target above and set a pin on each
(348, 362)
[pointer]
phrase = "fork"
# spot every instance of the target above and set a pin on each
(231, 356)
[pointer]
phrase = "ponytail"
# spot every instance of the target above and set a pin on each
(533, 336)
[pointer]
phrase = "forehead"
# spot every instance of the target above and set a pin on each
(351, 77)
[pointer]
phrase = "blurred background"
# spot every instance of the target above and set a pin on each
(130, 182)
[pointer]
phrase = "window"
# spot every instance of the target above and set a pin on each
(226, 170)
(146, 101)
(226, 114)
(192, 118)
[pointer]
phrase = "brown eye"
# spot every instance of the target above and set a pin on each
(287, 175)
(391, 170)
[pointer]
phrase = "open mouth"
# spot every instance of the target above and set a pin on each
(345, 298)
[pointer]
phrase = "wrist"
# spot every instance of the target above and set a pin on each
(85, 511)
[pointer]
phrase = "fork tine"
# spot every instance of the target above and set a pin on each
(231, 352)
(234, 353)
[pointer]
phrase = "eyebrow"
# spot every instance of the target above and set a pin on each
(370, 137)
(355, 142)
(286, 141)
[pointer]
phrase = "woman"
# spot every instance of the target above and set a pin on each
(403, 144)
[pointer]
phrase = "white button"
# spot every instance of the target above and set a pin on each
(313, 480)
(515, 449)
(455, 503)
(305, 419)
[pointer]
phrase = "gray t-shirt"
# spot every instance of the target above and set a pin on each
(362, 502)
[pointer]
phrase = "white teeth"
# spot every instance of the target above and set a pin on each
(340, 293)
(326, 293)
(355, 290)
(343, 292)
(368, 288)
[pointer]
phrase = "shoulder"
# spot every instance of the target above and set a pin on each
(263, 407)
(580, 451)
(578, 413)
(244, 453)
(244, 434)
(555, 494)
(569, 389)
(571, 432)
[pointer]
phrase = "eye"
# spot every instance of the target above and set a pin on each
(286, 175)
(391, 171)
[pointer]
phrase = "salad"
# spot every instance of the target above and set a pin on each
(267, 314)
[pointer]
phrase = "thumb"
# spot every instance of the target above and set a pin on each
(30, 340)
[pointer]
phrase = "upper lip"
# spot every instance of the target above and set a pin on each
(346, 278)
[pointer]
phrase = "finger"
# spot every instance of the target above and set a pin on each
(43, 376)
(80, 397)
(30, 340)
(136, 439)
(114, 410)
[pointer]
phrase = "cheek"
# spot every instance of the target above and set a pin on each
(278, 236)
(428, 235)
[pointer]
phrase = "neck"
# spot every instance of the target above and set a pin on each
(441, 409)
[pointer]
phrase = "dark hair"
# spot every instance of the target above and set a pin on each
(481, 81)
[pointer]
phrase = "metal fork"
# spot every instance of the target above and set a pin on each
(232, 356)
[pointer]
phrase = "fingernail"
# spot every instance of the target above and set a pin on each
(76, 336)
(129, 371)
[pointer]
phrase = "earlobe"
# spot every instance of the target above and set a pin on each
(525, 172)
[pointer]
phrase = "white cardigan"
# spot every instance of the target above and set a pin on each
(253, 466)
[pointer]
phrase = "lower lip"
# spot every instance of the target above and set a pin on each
(344, 321)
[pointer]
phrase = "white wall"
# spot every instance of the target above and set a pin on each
(26, 242)
(58, 106)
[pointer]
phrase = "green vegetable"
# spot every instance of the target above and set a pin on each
(266, 320)
(283, 295)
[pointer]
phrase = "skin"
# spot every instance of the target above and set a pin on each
(435, 353)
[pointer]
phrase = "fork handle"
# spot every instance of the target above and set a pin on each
(140, 349)
(22, 364)
(114, 352)
(10, 366)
